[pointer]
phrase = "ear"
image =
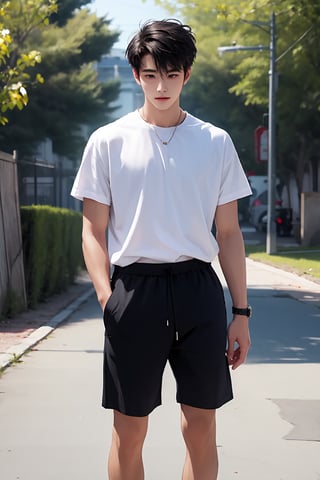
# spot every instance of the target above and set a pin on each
(136, 76)
(187, 76)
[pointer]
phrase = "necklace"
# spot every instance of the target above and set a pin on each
(164, 142)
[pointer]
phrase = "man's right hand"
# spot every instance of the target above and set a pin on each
(103, 300)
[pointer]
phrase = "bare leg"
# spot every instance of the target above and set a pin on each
(199, 433)
(125, 457)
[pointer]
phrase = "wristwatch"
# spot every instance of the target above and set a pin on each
(242, 311)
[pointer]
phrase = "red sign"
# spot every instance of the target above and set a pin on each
(261, 144)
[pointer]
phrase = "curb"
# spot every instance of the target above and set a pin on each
(15, 352)
(290, 276)
(300, 281)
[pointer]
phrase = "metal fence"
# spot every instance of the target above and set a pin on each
(43, 183)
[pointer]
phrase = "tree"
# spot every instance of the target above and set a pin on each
(298, 64)
(298, 96)
(72, 96)
(14, 60)
(66, 11)
(207, 94)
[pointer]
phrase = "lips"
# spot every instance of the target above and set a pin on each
(162, 98)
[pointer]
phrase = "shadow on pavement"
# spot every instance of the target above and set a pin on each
(283, 328)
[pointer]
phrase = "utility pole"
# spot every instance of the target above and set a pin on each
(271, 240)
(271, 243)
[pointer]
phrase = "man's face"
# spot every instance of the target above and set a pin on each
(161, 88)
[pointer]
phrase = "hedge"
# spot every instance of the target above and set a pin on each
(52, 250)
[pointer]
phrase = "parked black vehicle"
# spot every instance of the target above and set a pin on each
(283, 219)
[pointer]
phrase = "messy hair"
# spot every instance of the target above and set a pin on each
(171, 44)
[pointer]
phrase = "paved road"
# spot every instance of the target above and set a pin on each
(53, 428)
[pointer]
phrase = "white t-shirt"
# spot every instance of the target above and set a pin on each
(162, 198)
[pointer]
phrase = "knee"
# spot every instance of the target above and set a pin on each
(198, 427)
(129, 434)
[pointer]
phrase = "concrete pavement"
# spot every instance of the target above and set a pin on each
(271, 430)
(52, 426)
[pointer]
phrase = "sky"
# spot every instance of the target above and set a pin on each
(126, 15)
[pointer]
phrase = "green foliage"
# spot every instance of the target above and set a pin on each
(65, 10)
(207, 94)
(15, 61)
(52, 250)
(247, 23)
(12, 304)
(71, 96)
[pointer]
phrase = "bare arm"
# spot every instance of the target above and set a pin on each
(232, 261)
(96, 256)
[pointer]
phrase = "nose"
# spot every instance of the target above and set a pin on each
(162, 87)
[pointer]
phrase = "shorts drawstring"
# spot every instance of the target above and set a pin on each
(168, 270)
(170, 301)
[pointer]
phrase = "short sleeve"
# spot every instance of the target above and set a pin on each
(234, 183)
(92, 180)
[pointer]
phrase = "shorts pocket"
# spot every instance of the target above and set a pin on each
(215, 279)
(108, 308)
(109, 301)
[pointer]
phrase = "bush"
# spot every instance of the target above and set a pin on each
(52, 250)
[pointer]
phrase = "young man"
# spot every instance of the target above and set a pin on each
(157, 178)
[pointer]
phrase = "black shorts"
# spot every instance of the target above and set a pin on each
(165, 312)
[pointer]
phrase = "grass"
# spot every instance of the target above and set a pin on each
(15, 359)
(300, 260)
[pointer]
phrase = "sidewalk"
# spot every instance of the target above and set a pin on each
(23, 331)
(271, 430)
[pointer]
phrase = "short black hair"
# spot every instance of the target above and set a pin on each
(171, 44)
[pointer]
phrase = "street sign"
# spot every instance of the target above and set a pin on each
(261, 144)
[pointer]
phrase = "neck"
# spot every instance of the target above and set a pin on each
(165, 118)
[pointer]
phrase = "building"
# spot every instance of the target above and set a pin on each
(115, 66)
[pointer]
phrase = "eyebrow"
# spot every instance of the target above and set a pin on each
(153, 70)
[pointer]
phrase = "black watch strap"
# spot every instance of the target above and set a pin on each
(247, 312)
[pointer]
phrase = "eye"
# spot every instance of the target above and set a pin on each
(173, 75)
